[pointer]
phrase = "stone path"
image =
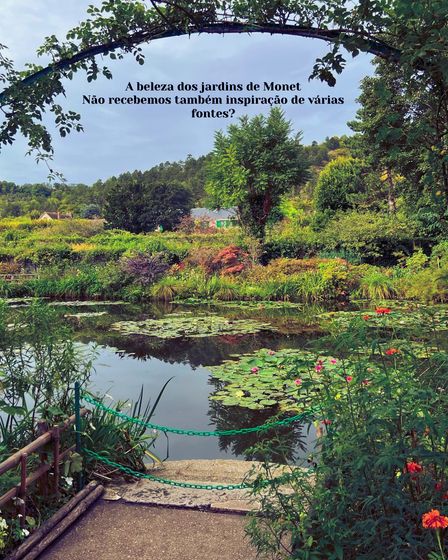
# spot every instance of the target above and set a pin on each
(198, 471)
(148, 520)
(119, 531)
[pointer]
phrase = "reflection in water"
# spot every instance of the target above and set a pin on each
(290, 442)
(125, 363)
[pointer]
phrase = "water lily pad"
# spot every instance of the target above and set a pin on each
(286, 378)
(190, 325)
(86, 314)
(86, 303)
(423, 317)
(241, 304)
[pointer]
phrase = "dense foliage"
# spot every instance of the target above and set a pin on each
(380, 464)
(137, 206)
(253, 165)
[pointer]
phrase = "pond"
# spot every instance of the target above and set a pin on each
(127, 360)
(230, 365)
(206, 354)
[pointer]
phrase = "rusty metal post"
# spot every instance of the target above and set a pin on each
(22, 490)
(56, 453)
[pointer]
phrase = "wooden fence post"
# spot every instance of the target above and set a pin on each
(42, 427)
(22, 490)
(56, 453)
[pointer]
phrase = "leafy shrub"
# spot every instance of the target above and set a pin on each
(289, 247)
(439, 255)
(145, 269)
(375, 238)
(339, 179)
(296, 266)
(43, 256)
(201, 257)
(428, 285)
(417, 261)
(229, 261)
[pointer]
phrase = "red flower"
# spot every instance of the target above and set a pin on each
(365, 382)
(366, 317)
(392, 351)
(433, 520)
(383, 310)
(412, 467)
(326, 422)
(438, 486)
(349, 378)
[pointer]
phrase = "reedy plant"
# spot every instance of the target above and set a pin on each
(120, 440)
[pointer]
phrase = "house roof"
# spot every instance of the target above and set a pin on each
(222, 214)
(56, 215)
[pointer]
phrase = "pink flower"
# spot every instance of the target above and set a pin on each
(319, 367)
(349, 378)
(255, 370)
(365, 382)
(333, 361)
(271, 352)
(298, 381)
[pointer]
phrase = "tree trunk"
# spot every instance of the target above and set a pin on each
(391, 201)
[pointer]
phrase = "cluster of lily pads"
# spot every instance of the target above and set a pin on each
(191, 325)
(241, 304)
(289, 379)
(420, 317)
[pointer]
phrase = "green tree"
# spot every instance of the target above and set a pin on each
(338, 182)
(136, 206)
(253, 165)
(402, 132)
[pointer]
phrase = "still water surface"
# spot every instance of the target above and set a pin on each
(124, 364)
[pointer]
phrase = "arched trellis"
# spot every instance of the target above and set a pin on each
(369, 45)
(121, 26)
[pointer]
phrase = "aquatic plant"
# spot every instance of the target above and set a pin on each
(189, 325)
(376, 285)
(267, 378)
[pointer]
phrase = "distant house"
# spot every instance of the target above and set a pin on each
(55, 216)
(215, 218)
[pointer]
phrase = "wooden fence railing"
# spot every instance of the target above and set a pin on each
(41, 473)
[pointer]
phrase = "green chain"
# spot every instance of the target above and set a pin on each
(243, 486)
(299, 417)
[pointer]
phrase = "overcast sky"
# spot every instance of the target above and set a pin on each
(124, 138)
